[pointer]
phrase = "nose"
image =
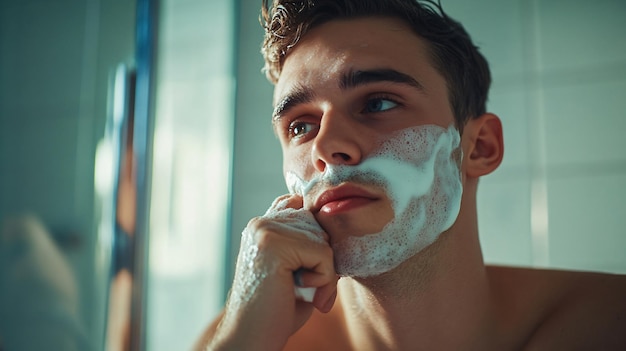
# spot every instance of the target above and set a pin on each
(337, 142)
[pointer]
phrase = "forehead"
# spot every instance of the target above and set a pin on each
(339, 46)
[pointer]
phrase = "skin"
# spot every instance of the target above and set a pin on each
(120, 294)
(443, 298)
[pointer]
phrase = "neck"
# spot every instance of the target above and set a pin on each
(438, 299)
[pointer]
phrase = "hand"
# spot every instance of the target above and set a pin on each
(262, 310)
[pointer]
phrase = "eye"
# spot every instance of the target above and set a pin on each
(298, 129)
(379, 104)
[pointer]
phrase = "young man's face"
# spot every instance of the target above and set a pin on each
(345, 89)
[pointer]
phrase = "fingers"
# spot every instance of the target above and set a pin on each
(295, 202)
(286, 201)
(306, 262)
(290, 249)
(274, 246)
(324, 301)
(326, 285)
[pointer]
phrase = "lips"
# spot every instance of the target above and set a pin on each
(343, 198)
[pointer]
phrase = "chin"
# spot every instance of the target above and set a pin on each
(340, 228)
(355, 222)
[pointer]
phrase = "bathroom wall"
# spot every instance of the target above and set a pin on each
(559, 81)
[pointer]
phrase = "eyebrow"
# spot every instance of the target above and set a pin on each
(300, 95)
(349, 80)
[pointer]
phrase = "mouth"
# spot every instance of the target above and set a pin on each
(343, 198)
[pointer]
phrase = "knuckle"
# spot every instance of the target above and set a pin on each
(264, 239)
(283, 197)
(259, 225)
(259, 230)
(255, 223)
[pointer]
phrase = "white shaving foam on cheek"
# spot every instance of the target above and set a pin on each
(419, 168)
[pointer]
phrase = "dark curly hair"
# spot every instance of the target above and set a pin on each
(452, 52)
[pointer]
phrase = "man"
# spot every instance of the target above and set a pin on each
(380, 111)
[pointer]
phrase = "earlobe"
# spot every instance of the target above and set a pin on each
(483, 144)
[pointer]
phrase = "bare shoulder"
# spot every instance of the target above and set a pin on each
(563, 309)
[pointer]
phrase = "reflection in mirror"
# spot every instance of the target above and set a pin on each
(117, 193)
(39, 293)
(54, 74)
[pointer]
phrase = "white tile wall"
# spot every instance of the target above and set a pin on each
(510, 104)
(559, 71)
(504, 207)
(587, 221)
(585, 123)
(578, 33)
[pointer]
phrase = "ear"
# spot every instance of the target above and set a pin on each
(483, 145)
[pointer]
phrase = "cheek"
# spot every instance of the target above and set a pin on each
(297, 162)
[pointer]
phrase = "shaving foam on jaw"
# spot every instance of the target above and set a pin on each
(419, 168)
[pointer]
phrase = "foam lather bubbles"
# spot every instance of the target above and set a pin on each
(419, 168)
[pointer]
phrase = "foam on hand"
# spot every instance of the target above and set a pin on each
(298, 222)
(305, 294)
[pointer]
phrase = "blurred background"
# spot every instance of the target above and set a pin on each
(135, 145)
